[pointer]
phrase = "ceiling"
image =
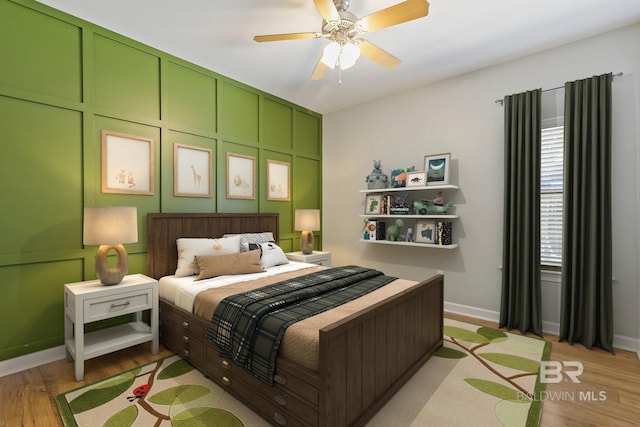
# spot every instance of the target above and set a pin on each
(456, 37)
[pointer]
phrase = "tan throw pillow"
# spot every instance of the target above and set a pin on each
(189, 248)
(219, 265)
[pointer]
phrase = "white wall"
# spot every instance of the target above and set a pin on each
(459, 116)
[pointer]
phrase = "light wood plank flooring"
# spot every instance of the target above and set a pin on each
(27, 397)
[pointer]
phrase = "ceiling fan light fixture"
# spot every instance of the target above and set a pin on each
(344, 56)
(349, 54)
(330, 54)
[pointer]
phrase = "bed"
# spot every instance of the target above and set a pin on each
(363, 358)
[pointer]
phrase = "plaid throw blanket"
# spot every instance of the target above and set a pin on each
(248, 327)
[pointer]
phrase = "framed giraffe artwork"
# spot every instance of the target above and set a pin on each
(127, 163)
(192, 174)
(278, 181)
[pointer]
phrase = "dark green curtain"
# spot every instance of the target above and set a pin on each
(586, 314)
(520, 306)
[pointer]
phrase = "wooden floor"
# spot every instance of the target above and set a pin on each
(608, 393)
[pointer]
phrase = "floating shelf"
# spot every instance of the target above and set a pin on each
(420, 245)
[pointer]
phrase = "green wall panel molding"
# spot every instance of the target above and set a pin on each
(32, 304)
(191, 99)
(238, 113)
(41, 195)
(277, 124)
(79, 79)
(308, 133)
(39, 54)
(126, 78)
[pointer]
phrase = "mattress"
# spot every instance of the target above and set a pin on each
(182, 291)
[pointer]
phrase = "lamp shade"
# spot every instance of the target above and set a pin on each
(307, 220)
(110, 225)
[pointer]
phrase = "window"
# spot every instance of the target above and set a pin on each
(551, 188)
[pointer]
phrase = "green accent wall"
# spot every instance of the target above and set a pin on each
(62, 82)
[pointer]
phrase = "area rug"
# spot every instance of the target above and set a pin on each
(481, 376)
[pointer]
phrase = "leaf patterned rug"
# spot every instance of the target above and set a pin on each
(481, 376)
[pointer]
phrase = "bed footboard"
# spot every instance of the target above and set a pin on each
(367, 357)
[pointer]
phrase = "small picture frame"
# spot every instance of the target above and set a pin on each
(127, 163)
(437, 169)
(416, 179)
(425, 231)
(192, 175)
(373, 204)
(241, 176)
(278, 187)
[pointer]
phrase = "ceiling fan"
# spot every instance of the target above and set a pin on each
(343, 28)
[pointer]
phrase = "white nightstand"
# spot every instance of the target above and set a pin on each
(316, 257)
(90, 301)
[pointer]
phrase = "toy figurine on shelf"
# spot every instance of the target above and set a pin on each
(393, 231)
(376, 179)
(439, 200)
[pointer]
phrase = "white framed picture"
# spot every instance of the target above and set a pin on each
(437, 169)
(425, 231)
(191, 171)
(241, 176)
(373, 204)
(416, 179)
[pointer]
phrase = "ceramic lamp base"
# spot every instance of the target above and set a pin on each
(306, 242)
(111, 276)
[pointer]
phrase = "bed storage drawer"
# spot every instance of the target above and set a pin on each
(183, 336)
(279, 397)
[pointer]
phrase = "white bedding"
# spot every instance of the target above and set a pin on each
(182, 291)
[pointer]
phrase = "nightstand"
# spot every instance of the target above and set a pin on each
(90, 301)
(316, 257)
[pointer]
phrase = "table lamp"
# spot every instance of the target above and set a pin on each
(307, 221)
(110, 227)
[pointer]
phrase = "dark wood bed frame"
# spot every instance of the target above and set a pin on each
(364, 358)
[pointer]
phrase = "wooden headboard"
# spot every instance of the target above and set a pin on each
(164, 228)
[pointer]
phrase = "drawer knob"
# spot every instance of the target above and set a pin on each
(280, 399)
(186, 352)
(280, 419)
(185, 325)
(226, 364)
(280, 379)
(226, 381)
(185, 339)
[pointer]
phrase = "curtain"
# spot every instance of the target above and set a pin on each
(520, 306)
(586, 314)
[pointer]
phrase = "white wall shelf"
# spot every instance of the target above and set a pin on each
(401, 243)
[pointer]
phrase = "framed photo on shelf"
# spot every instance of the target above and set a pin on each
(373, 204)
(437, 169)
(127, 163)
(191, 171)
(416, 179)
(425, 231)
(241, 176)
(278, 187)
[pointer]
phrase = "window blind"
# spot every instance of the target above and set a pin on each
(551, 188)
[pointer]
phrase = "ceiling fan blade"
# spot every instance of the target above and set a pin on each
(290, 36)
(320, 70)
(378, 55)
(327, 10)
(397, 14)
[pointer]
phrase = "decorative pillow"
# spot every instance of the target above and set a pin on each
(189, 248)
(219, 265)
(272, 255)
(246, 238)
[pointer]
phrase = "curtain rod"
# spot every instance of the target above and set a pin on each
(501, 101)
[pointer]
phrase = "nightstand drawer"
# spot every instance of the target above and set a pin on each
(111, 306)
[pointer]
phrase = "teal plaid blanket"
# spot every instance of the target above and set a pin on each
(248, 327)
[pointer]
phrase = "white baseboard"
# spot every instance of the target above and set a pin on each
(28, 361)
(553, 328)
